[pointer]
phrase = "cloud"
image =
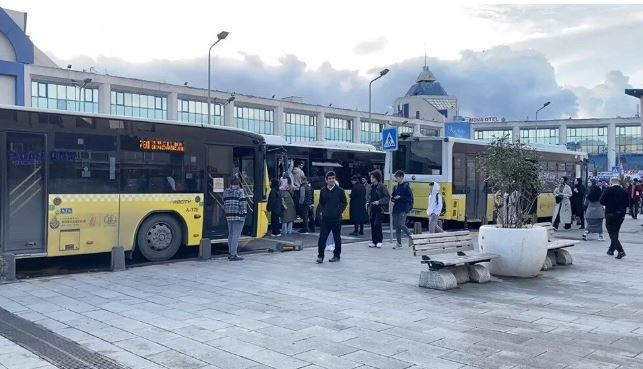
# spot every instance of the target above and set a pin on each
(371, 46)
(501, 82)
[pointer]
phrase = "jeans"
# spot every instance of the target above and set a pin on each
(433, 224)
(359, 227)
(613, 223)
(634, 209)
(399, 223)
(234, 233)
(326, 227)
(376, 224)
(304, 212)
(275, 224)
(286, 228)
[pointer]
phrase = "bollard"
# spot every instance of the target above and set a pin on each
(8, 267)
(205, 249)
(417, 227)
(118, 259)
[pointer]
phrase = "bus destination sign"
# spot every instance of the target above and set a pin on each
(161, 145)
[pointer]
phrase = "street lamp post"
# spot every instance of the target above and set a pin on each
(86, 81)
(542, 107)
(221, 36)
(382, 74)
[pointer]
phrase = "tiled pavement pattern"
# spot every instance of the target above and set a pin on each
(284, 311)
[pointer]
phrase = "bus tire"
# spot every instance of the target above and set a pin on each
(159, 237)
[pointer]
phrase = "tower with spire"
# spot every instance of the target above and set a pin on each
(426, 99)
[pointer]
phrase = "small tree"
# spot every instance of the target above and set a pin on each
(511, 171)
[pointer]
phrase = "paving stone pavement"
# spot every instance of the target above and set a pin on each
(285, 311)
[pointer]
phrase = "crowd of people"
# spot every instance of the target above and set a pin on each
(588, 207)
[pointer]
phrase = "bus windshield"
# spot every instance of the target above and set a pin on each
(419, 157)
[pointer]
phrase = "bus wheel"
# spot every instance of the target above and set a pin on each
(159, 237)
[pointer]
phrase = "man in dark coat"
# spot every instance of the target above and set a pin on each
(616, 201)
(332, 203)
(578, 201)
(378, 200)
(358, 206)
(274, 207)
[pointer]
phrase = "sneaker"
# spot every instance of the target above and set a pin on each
(601, 238)
(397, 246)
(610, 252)
(320, 260)
(584, 236)
(302, 232)
(620, 255)
(276, 235)
(371, 245)
(379, 245)
(334, 259)
(235, 258)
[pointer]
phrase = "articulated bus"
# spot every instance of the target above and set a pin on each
(454, 163)
(344, 158)
(76, 183)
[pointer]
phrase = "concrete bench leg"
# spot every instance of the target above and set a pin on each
(550, 260)
(441, 279)
(479, 273)
(563, 257)
(118, 259)
(461, 274)
(8, 267)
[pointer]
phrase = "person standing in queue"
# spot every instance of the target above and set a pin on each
(236, 208)
(563, 208)
(288, 210)
(357, 206)
(274, 207)
(402, 198)
(332, 203)
(594, 212)
(616, 201)
(434, 208)
(379, 197)
(305, 203)
(578, 200)
(634, 191)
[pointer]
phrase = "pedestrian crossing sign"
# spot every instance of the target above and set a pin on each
(389, 139)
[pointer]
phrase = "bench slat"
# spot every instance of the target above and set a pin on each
(428, 241)
(441, 251)
(443, 245)
(439, 235)
(562, 243)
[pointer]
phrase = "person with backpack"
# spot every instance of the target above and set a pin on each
(379, 198)
(306, 202)
(236, 208)
(402, 198)
(288, 210)
(435, 208)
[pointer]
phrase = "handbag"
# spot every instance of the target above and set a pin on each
(559, 198)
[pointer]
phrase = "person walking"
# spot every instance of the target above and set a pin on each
(236, 208)
(634, 191)
(288, 211)
(332, 203)
(305, 203)
(563, 208)
(578, 200)
(274, 207)
(402, 198)
(594, 212)
(379, 198)
(434, 208)
(357, 206)
(616, 201)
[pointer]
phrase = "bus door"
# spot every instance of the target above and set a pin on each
(475, 190)
(218, 171)
(244, 168)
(23, 177)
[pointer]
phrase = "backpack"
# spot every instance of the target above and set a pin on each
(444, 207)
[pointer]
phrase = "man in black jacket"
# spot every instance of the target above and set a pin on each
(332, 203)
(379, 197)
(402, 198)
(616, 201)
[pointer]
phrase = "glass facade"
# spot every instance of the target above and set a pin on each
(629, 147)
(49, 95)
(592, 140)
(539, 136)
(195, 111)
(255, 119)
(339, 129)
(139, 105)
(404, 129)
(490, 135)
(300, 127)
(371, 133)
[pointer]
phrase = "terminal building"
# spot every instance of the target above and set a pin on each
(28, 77)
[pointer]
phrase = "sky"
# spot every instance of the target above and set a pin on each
(499, 60)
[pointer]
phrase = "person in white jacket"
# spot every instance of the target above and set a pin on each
(434, 208)
(563, 209)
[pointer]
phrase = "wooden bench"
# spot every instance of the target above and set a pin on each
(556, 253)
(451, 259)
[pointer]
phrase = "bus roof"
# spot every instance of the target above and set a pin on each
(538, 147)
(273, 140)
(259, 137)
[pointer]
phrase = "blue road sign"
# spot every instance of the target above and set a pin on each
(389, 139)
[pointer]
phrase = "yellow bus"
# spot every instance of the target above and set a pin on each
(77, 183)
(454, 163)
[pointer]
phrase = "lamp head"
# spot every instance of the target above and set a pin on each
(222, 35)
(546, 104)
(87, 80)
(383, 72)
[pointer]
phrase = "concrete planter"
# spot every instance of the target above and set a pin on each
(522, 251)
